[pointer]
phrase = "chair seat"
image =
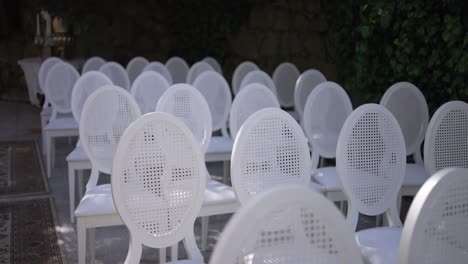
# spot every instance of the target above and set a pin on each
(415, 175)
(327, 178)
(99, 201)
(77, 154)
(67, 122)
(380, 245)
(316, 186)
(220, 144)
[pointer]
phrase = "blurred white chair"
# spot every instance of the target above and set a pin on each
(159, 68)
(135, 67)
(287, 224)
(252, 98)
(306, 82)
(178, 68)
(214, 63)
(197, 69)
(186, 103)
(407, 104)
(436, 227)
(371, 161)
(106, 114)
(93, 64)
(258, 76)
(285, 77)
(117, 74)
(58, 88)
(446, 142)
(147, 88)
(78, 160)
(159, 207)
(325, 112)
(239, 73)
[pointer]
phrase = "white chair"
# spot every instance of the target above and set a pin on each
(269, 151)
(287, 224)
(370, 161)
(261, 77)
(106, 114)
(446, 141)
(239, 73)
(285, 77)
(117, 74)
(46, 111)
(58, 88)
(147, 88)
(217, 94)
(325, 112)
(159, 68)
(178, 68)
(186, 103)
(214, 63)
(304, 85)
(93, 64)
(159, 207)
(406, 102)
(436, 227)
(197, 69)
(252, 98)
(135, 67)
(78, 160)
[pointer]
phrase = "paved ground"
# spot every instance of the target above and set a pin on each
(21, 122)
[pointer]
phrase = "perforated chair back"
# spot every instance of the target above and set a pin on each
(325, 112)
(252, 98)
(311, 230)
(147, 89)
(117, 74)
(44, 70)
(186, 103)
(285, 77)
(269, 151)
(59, 86)
(178, 68)
(84, 86)
(370, 162)
(93, 64)
(158, 184)
(214, 63)
(106, 114)
(436, 227)
(197, 69)
(306, 82)
(446, 141)
(406, 102)
(240, 72)
(135, 67)
(261, 77)
(159, 68)
(217, 94)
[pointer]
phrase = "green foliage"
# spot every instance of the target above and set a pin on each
(423, 42)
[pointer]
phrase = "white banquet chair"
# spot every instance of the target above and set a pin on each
(306, 82)
(178, 68)
(285, 77)
(214, 63)
(116, 73)
(93, 64)
(147, 88)
(159, 68)
(135, 67)
(197, 69)
(258, 76)
(239, 73)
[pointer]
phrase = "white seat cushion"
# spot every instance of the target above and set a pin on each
(328, 178)
(220, 145)
(380, 245)
(77, 154)
(415, 175)
(67, 122)
(99, 201)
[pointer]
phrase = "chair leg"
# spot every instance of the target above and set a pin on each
(81, 230)
(92, 245)
(175, 252)
(162, 255)
(227, 170)
(80, 184)
(48, 155)
(44, 143)
(204, 235)
(71, 192)
(134, 252)
(52, 148)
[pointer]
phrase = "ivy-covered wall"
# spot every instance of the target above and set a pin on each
(267, 32)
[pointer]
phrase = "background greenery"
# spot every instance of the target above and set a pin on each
(364, 45)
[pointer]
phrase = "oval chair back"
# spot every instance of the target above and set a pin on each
(178, 68)
(135, 67)
(285, 77)
(240, 72)
(117, 74)
(93, 64)
(147, 88)
(306, 82)
(197, 69)
(258, 76)
(159, 68)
